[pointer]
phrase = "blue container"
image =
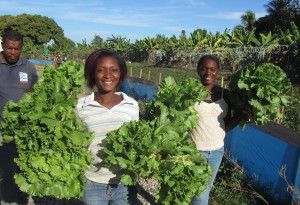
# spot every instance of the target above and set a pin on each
(139, 89)
(263, 151)
(34, 61)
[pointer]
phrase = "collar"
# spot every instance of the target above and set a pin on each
(89, 100)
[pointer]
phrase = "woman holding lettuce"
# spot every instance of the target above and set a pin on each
(102, 111)
(214, 121)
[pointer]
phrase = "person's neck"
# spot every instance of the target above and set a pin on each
(209, 87)
(104, 97)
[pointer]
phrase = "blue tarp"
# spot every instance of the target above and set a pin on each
(34, 61)
(139, 89)
(263, 156)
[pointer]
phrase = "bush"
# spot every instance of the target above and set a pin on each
(292, 114)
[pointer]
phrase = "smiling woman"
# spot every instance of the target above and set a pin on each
(214, 121)
(103, 111)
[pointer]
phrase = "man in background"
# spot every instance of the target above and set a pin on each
(17, 76)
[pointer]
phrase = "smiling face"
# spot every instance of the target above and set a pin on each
(208, 72)
(107, 74)
(11, 51)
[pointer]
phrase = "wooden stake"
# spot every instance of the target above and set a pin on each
(222, 82)
(149, 73)
(222, 85)
(141, 72)
(159, 78)
(282, 112)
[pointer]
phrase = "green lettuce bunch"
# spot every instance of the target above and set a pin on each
(259, 91)
(50, 139)
(160, 147)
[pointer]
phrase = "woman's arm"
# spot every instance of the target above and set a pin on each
(232, 119)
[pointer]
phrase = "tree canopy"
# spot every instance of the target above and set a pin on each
(36, 29)
(280, 14)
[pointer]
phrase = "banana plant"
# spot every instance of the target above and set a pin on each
(198, 37)
(242, 38)
(118, 43)
(266, 40)
(291, 36)
(218, 40)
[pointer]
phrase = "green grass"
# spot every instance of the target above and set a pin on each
(157, 74)
(233, 187)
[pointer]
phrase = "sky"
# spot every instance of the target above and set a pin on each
(81, 20)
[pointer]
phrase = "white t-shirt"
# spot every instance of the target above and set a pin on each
(209, 133)
(102, 120)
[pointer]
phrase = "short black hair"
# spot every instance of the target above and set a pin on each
(12, 35)
(207, 57)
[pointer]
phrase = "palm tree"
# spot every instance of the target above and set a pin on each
(248, 20)
(282, 12)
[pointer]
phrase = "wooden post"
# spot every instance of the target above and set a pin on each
(159, 78)
(282, 112)
(149, 73)
(222, 82)
(141, 72)
(130, 71)
(222, 85)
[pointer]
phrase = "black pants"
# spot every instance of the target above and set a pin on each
(9, 190)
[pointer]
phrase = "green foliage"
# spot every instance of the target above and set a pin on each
(35, 28)
(292, 114)
(160, 147)
(51, 140)
(260, 91)
(178, 74)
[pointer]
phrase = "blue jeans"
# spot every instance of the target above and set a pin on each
(110, 194)
(214, 159)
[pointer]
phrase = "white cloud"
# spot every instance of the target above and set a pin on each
(224, 15)
(104, 19)
(258, 15)
(173, 28)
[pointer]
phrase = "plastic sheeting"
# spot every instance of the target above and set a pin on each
(139, 89)
(41, 61)
(263, 156)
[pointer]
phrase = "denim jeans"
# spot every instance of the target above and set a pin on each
(110, 194)
(214, 159)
